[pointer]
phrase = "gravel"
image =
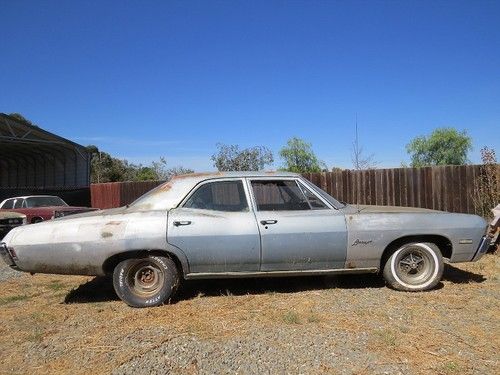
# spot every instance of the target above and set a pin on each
(350, 324)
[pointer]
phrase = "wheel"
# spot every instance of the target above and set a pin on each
(146, 282)
(36, 220)
(414, 267)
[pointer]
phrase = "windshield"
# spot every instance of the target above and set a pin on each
(44, 202)
(335, 203)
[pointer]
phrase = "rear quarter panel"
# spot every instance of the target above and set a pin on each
(369, 234)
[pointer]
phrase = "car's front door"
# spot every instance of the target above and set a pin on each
(299, 231)
(216, 228)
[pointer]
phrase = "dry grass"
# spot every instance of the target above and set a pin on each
(56, 324)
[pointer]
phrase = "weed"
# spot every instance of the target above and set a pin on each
(450, 367)
(386, 336)
(313, 319)
(56, 285)
(291, 317)
(36, 336)
(9, 299)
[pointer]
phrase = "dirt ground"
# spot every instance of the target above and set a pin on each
(54, 324)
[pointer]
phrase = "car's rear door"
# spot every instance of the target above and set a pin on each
(299, 230)
(216, 228)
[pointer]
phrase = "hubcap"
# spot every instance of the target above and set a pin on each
(414, 265)
(146, 278)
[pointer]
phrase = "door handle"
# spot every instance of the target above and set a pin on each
(179, 223)
(267, 222)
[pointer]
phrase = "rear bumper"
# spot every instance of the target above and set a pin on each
(483, 247)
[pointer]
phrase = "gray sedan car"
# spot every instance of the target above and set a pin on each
(244, 224)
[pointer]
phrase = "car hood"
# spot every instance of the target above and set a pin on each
(11, 215)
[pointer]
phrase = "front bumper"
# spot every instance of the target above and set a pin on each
(6, 255)
(483, 247)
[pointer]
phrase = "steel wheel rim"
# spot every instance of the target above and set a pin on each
(146, 278)
(414, 265)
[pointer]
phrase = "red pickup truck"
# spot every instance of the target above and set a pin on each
(38, 208)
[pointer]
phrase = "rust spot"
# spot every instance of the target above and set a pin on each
(113, 223)
(106, 234)
(351, 265)
(200, 174)
(270, 172)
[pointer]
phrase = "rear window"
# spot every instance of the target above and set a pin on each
(8, 204)
(33, 202)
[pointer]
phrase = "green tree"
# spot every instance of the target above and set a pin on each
(105, 168)
(444, 146)
(231, 158)
(299, 157)
(163, 173)
(146, 174)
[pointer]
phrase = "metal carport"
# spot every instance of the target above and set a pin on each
(35, 161)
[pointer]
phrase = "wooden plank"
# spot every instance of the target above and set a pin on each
(397, 187)
(330, 187)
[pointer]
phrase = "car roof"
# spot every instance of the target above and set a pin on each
(26, 196)
(170, 193)
(32, 196)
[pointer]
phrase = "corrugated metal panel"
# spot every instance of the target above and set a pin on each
(31, 157)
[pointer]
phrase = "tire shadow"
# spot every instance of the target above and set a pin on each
(99, 289)
(254, 286)
(458, 276)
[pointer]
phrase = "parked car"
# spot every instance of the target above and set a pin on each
(226, 225)
(10, 220)
(39, 208)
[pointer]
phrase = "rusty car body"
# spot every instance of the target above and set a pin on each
(38, 208)
(244, 224)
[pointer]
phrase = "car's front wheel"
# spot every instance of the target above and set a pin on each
(146, 282)
(414, 267)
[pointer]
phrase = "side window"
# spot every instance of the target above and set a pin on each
(279, 195)
(19, 203)
(314, 201)
(219, 196)
(8, 204)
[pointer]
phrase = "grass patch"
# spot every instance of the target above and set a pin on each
(56, 286)
(313, 318)
(387, 337)
(291, 317)
(450, 368)
(10, 299)
(36, 336)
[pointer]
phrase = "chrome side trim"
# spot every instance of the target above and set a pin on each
(228, 275)
(483, 247)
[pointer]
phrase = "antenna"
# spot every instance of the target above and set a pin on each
(356, 155)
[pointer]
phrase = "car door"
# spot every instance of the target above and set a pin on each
(298, 229)
(216, 228)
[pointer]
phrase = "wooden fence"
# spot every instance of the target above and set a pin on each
(447, 188)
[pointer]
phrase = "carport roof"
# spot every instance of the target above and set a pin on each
(18, 137)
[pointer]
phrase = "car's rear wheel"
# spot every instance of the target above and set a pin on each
(414, 267)
(146, 282)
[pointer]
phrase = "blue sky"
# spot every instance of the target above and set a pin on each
(172, 78)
